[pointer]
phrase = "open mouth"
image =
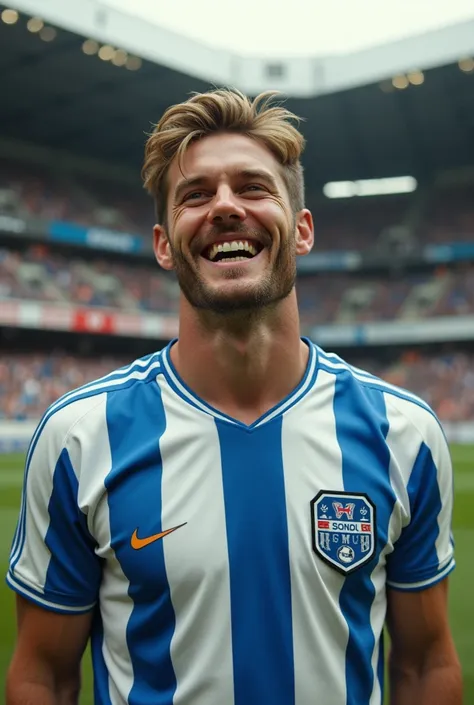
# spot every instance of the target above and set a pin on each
(232, 251)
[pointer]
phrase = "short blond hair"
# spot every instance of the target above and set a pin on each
(224, 110)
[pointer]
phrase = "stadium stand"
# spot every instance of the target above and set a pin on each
(446, 215)
(30, 382)
(40, 273)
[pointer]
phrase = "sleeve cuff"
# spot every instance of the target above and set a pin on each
(423, 584)
(42, 599)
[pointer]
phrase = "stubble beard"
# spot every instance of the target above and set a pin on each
(254, 299)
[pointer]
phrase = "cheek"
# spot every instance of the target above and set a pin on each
(271, 215)
(187, 223)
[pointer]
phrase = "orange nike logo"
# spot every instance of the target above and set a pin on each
(138, 543)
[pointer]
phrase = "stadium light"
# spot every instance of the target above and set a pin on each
(106, 52)
(90, 47)
(416, 78)
(120, 58)
(9, 16)
(466, 64)
(133, 63)
(400, 82)
(34, 25)
(370, 187)
(47, 34)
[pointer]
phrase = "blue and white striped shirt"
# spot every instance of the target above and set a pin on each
(271, 588)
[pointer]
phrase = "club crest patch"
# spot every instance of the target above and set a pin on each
(344, 529)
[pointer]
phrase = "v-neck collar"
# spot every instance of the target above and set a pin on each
(187, 394)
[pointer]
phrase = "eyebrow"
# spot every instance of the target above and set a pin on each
(242, 173)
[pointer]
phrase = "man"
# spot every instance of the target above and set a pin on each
(234, 519)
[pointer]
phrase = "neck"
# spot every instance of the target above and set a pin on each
(243, 364)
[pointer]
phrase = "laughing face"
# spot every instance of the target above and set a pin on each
(232, 236)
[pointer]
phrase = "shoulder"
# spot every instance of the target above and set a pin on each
(77, 405)
(407, 412)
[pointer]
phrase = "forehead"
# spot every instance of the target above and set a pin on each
(221, 155)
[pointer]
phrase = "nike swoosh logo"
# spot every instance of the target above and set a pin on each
(138, 543)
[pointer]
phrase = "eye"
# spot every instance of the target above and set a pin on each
(253, 187)
(193, 196)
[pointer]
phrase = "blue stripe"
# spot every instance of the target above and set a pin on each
(99, 668)
(416, 558)
(136, 421)
(260, 584)
(74, 571)
(361, 428)
(372, 382)
(63, 402)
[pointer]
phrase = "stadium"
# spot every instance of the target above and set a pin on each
(389, 170)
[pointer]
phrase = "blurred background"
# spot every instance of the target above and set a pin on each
(386, 93)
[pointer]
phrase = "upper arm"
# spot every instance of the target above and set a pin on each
(49, 646)
(419, 628)
(53, 637)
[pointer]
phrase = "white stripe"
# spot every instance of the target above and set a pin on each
(31, 557)
(89, 450)
(18, 587)
(424, 583)
(191, 397)
(403, 452)
(320, 632)
(196, 556)
(328, 357)
(299, 393)
(71, 396)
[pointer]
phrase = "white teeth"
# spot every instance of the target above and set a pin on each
(235, 259)
(233, 246)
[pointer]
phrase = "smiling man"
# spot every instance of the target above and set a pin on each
(234, 519)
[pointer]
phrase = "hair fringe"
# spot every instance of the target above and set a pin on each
(224, 109)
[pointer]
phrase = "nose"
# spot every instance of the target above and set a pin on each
(225, 208)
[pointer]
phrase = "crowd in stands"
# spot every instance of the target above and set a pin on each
(36, 191)
(445, 381)
(44, 275)
(29, 383)
(37, 273)
(447, 215)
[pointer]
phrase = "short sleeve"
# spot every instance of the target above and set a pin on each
(53, 561)
(424, 553)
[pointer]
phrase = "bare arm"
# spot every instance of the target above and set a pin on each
(45, 668)
(423, 668)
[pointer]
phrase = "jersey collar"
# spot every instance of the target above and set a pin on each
(186, 393)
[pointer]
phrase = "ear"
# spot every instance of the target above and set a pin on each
(304, 232)
(161, 248)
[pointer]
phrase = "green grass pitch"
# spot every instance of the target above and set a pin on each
(462, 580)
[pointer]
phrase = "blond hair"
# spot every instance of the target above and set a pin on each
(224, 110)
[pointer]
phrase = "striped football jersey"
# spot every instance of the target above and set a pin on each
(229, 564)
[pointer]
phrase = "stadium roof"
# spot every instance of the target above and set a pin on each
(62, 98)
